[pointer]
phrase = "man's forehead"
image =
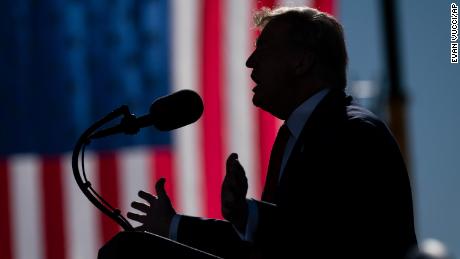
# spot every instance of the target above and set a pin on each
(274, 30)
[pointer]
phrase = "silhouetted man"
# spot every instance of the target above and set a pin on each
(336, 186)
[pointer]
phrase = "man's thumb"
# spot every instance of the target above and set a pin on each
(160, 188)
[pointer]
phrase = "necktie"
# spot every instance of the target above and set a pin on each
(274, 166)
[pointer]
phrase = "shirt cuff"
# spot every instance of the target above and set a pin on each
(252, 222)
(174, 227)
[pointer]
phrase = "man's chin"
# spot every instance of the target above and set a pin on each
(259, 103)
(256, 101)
(266, 108)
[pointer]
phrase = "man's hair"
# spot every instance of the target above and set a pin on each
(318, 33)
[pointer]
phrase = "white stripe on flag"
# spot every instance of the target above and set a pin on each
(187, 145)
(242, 137)
(135, 169)
(293, 3)
(27, 207)
(83, 231)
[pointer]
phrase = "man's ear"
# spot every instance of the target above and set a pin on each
(305, 64)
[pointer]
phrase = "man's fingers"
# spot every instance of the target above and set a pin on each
(136, 217)
(232, 158)
(234, 166)
(140, 206)
(235, 174)
(147, 196)
(160, 188)
(235, 181)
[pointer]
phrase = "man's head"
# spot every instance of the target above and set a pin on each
(299, 51)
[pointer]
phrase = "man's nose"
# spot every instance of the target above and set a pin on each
(250, 61)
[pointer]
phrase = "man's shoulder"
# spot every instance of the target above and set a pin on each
(364, 126)
(360, 117)
(339, 114)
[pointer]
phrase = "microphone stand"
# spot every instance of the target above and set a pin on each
(128, 243)
(83, 183)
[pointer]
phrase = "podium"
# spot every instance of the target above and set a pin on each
(143, 245)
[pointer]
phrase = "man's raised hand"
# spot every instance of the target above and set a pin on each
(233, 195)
(157, 213)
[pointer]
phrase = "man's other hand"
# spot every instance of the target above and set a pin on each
(157, 213)
(233, 195)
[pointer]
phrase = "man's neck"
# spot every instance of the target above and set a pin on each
(304, 94)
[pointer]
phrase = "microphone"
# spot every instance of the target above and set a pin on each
(166, 113)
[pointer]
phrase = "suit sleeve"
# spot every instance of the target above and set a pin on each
(379, 193)
(216, 237)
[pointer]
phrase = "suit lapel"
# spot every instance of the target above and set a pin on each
(328, 112)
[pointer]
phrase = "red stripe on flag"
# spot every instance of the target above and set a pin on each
(108, 181)
(265, 3)
(327, 6)
(266, 123)
(6, 251)
(53, 212)
(211, 76)
(164, 167)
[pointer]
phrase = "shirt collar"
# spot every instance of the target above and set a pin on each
(301, 114)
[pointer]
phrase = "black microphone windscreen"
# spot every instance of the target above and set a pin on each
(176, 110)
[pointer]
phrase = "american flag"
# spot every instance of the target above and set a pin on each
(65, 64)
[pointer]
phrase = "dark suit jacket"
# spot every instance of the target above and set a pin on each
(345, 193)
